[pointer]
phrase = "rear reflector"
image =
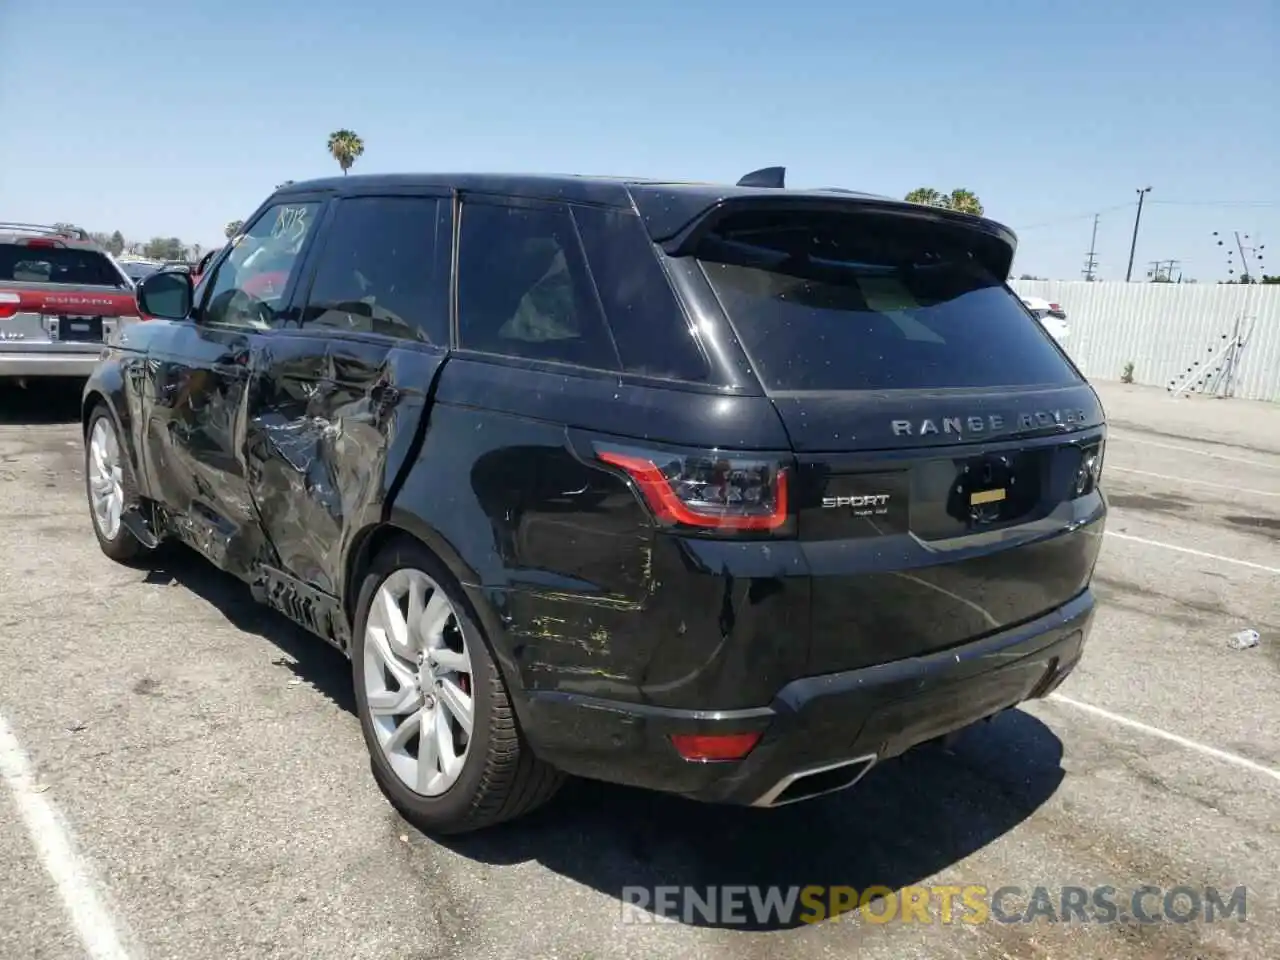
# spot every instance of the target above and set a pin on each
(706, 747)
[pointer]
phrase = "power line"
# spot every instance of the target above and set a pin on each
(1082, 216)
(1218, 203)
(1124, 206)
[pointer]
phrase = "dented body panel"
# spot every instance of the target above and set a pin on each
(591, 597)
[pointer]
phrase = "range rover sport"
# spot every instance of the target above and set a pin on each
(727, 491)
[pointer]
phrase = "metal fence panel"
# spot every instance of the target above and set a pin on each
(1166, 329)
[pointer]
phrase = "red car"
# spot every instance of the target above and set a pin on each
(61, 298)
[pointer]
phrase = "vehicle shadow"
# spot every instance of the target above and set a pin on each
(906, 821)
(43, 401)
(308, 657)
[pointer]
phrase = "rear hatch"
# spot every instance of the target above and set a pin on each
(948, 453)
(59, 294)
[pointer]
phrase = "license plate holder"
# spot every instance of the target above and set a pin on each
(80, 329)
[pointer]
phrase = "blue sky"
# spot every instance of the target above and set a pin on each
(173, 118)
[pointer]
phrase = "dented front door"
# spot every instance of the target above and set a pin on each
(337, 401)
(199, 377)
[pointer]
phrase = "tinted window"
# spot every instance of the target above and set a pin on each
(377, 272)
(68, 265)
(523, 290)
(248, 288)
(863, 302)
(648, 325)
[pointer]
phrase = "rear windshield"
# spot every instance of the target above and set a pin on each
(63, 265)
(866, 302)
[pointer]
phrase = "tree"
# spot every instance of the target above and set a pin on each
(927, 196)
(232, 228)
(965, 201)
(116, 243)
(165, 248)
(345, 147)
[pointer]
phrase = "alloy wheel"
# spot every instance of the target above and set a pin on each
(106, 478)
(418, 682)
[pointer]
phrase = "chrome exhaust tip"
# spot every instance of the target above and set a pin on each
(817, 781)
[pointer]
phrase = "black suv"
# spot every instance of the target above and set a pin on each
(727, 491)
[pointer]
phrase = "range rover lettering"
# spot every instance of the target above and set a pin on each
(732, 492)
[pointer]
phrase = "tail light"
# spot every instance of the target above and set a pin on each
(44, 243)
(1055, 307)
(1089, 472)
(9, 304)
(710, 491)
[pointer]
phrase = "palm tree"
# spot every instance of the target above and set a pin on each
(345, 146)
(964, 201)
(925, 195)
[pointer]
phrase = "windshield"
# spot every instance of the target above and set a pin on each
(872, 302)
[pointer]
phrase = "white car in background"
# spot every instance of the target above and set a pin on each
(1051, 316)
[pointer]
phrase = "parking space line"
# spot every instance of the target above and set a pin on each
(1195, 553)
(1202, 483)
(54, 845)
(1232, 758)
(1202, 453)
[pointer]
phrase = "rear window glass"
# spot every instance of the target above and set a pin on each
(866, 302)
(23, 264)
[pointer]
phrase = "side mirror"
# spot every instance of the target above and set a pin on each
(165, 294)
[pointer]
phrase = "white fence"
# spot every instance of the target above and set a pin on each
(1166, 329)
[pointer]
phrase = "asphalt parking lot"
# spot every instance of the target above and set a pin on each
(199, 789)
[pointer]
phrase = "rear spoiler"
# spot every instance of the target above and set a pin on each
(677, 219)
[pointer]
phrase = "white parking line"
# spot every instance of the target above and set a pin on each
(1223, 755)
(1195, 553)
(53, 844)
(1202, 483)
(1203, 453)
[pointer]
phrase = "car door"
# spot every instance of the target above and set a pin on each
(200, 374)
(338, 399)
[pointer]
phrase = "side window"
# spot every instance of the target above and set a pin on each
(249, 285)
(523, 288)
(647, 322)
(377, 271)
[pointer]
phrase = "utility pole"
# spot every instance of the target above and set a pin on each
(1091, 259)
(1142, 193)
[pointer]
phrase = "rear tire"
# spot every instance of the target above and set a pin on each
(421, 658)
(109, 487)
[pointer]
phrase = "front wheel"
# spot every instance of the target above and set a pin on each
(443, 739)
(110, 488)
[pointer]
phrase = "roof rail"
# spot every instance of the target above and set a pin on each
(774, 177)
(71, 233)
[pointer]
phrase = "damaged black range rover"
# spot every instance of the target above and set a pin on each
(727, 491)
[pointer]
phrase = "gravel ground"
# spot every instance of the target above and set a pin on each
(200, 756)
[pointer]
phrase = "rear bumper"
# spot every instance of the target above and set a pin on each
(54, 362)
(833, 727)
